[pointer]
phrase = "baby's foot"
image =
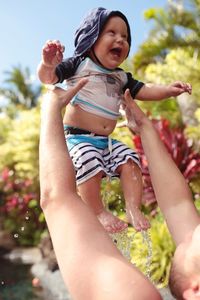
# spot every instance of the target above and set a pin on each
(111, 223)
(137, 219)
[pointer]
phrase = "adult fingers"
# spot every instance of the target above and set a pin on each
(132, 109)
(72, 91)
(63, 96)
(127, 97)
(122, 124)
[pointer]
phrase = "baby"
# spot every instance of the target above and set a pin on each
(102, 43)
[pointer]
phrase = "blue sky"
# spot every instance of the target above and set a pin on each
(26, 25)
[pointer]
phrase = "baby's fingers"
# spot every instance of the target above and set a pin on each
(188, 88)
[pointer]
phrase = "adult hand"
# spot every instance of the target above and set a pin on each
(63, 97)
(135, 116)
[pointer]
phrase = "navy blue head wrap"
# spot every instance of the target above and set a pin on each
(90, 28)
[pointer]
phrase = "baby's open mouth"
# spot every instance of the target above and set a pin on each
(116, 51)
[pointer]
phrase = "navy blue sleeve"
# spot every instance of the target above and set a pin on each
(67, 68)
(133, 85)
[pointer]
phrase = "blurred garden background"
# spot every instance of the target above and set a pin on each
(170, 52)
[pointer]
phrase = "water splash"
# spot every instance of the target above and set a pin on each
(147, 239)
(124, 241)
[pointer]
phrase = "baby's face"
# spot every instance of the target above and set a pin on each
(111, 48)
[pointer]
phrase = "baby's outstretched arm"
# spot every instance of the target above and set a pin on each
(52, 55)
(159, 92)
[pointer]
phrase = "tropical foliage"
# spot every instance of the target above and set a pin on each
(19, 208)
(18, 91)
(19, 147)
(19, 182)
(180, 148)
(193, 132)
(175, 26)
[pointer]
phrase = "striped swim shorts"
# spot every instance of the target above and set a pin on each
(92, 154)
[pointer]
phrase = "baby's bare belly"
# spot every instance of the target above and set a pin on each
(75, 116)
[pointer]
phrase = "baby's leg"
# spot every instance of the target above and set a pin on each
(90, 194)
(131, 180)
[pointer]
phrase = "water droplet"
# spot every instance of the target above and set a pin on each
(22, 228)
(2, 282)
(27, 218)
(16, 235)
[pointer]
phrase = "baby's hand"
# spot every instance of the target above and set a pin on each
(179, 87)
(52, 53)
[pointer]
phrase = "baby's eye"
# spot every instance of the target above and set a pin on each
(111, 32)
(125, 37)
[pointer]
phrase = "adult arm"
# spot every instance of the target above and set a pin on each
(171, 190)
(90, 263)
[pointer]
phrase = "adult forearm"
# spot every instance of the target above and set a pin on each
(171, 190)
(168, 182)
(56, 170)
